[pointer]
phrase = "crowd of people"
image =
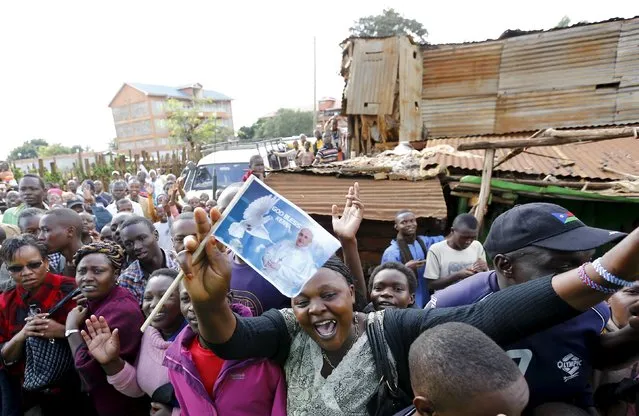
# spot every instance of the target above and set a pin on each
(327, 148)
(531, 322)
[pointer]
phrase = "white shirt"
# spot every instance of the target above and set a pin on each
(442, 260)
(164, 231)
(295, 265)
(158, 186)
(137, 209)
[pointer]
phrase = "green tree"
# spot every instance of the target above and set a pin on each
(28, 150)
(564, 22)
(53, 149)
(246, 133)
(193, 123)
(113, 145)
(389, 23)
(285, 123)
(39, 142)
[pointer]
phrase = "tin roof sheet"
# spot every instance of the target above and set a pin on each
(383, 198)
(581, 160)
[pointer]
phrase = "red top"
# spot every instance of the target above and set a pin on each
(14, 304)
(208, 364)
(247, 175)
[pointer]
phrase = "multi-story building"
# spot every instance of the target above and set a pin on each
(140, 117)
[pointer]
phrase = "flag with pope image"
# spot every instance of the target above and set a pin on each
(276, 238)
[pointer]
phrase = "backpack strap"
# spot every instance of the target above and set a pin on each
(384, 360)
(423, 246)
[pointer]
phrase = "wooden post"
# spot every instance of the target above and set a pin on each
(41, 168)
(54, 167)
(80, 169)
(484, 190)
(87, 168)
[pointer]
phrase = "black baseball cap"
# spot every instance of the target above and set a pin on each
(74, 202)
(544, 225)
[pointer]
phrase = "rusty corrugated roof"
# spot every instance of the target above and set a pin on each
(583, 160)
(383, 198)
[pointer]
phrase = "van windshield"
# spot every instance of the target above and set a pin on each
(227, 173)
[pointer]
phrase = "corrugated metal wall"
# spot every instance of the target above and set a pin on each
(558, 78)
(373, 76)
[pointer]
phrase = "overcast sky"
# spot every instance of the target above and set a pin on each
(63, 61)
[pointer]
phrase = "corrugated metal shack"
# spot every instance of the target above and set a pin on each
(578, 76)
(583, 78)
(383, 90)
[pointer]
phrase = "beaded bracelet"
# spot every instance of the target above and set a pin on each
(593, 285)
(609, 277)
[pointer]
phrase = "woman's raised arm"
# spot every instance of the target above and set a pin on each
(207, 280)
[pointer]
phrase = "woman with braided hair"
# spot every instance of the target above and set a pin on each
(98, 266)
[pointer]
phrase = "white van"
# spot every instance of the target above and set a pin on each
(218, 170)
(223, 167)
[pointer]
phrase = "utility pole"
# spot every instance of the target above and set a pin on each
(314, 84)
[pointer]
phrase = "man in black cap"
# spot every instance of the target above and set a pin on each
(76, 204)
(538, 240)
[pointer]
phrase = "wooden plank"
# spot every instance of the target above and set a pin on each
(410, 85)
(41, 168)
(484, 190)
(553, 137)
(629, 176)
(515, 151)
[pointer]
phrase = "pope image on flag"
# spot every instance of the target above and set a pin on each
(287, 260)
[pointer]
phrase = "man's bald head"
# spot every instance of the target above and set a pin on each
(60, 230)
(65, 217)
(455, 367)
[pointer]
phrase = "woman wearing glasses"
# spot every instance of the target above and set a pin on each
(23, 314)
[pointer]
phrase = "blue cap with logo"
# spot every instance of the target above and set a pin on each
(544, 225)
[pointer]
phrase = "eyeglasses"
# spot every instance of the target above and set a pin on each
(17, 268)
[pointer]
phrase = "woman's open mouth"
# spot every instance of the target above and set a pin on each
(326, 329)
(386, 304)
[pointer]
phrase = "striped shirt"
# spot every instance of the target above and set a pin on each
(327, 154)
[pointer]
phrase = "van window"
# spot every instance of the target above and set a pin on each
(227, 173)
